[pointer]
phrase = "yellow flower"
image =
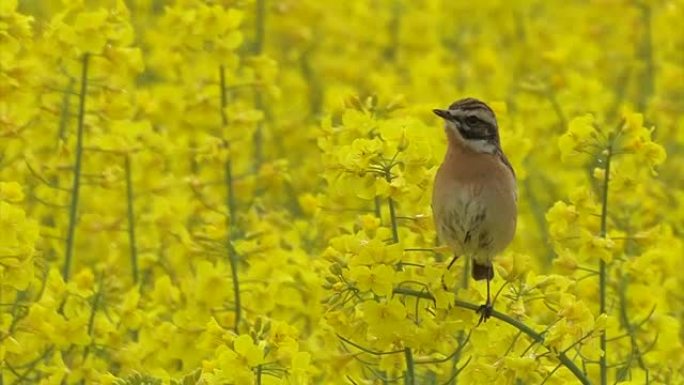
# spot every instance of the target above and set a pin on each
(513, 266)
(634, 122)
(386, 320)
(89, 31)
(56, 369)
(392, 363)
(558, 335)
(301, 363)
(577, 315)
(522, 366)
(130, 313)
(565, 263)
(17, 246)
(561, 218)
(309, 203)
(480, 373)
(599, 174)
(379, 278)
(211, 283)
(164, 292)
(369, 222)
(591, 348)
(229, 366)
(433, 279)
(11, 192)
(376, 251)
(596, 247)
(653, 154)
(362, 153)
(252, 354)
(581, 134)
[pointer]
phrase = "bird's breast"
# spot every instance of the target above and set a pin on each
(474, 205)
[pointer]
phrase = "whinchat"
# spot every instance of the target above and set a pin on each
(474, 201)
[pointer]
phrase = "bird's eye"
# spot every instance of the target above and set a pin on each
(471, 120)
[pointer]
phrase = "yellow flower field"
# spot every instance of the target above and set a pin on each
(238, 192)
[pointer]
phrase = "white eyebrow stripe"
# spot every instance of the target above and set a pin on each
(480, 113)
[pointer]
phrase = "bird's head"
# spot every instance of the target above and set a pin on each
(472, 123)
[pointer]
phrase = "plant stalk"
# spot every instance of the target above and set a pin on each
(97, 297)
(131, 220)
(75, 190)
(410, 377)
(538, 338)
(257, 48)
(646, 52)
(602, 265)
(231, 206)
(392, 211)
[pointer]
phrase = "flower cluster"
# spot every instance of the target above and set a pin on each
(238, 192)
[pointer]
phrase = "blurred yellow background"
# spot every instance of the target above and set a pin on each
(238, 192)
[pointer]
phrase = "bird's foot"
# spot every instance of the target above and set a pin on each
(485, 311)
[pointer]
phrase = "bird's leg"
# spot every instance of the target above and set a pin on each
(444, 286)
(452, 261)
(485, 310)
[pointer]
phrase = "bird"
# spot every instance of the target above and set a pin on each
(474, 199)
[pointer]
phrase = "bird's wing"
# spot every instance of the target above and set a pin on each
(499, 153)
(502, 157)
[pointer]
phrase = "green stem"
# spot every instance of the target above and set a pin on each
(410, 378)
(31, 367)
(91, 321)
(636, 351)
(315, 89)
(231, 203)
(378, 208)
(393, 218)
(646, 52)
(232, 254)
(66, 107)
(456, 371)
(538, 338)
(392, 210)
(231, 206)
(602, 264)
(453, 379)
(131, 220)
(73, 208)
(394, 30)
(258, 137)
(259, 33)
(369, 351)
(224, 95)
(18, 312)
(259, 26)
(557, 108)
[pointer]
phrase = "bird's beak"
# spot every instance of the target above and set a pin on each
(444, 114)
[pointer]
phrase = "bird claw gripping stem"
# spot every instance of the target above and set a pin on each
(485, 312)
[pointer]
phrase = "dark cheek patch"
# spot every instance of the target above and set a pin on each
(478, 131)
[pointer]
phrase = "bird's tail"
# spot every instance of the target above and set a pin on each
(481, 272)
